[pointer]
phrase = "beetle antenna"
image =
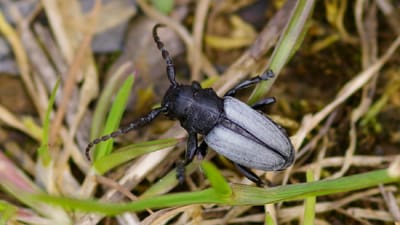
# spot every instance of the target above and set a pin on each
(165, 55)
(133, 125)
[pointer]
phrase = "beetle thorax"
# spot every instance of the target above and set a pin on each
(197, 109)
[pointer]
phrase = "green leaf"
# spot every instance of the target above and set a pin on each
(309, 209)
(241, 194)
(164, 6)
(43, 150)
(7, 211)
(216, 179)
(104, 104)
(130, 152)
(288, 44)
(114, 118)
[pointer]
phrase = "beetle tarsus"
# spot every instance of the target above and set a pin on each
(252, 81)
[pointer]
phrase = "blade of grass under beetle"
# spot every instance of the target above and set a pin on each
(158, 202)
(288, 43)
(130, 152)
(43, 150)
(241, 194)
(114, 118)
(168, 182)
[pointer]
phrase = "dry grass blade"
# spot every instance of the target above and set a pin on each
(391, 203)
(9, 119)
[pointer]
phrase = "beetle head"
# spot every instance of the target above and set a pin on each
(177, 100)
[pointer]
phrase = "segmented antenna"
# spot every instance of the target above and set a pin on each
(135, 124)
(165, 55)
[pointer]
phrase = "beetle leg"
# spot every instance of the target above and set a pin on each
(263, 102)
(202, 150)
(191, 148)
(191, 151)
(250, 175)
(247, 83)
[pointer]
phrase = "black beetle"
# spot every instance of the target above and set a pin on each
(229, 126)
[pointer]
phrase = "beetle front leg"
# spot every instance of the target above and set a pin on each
(191, 151)
(247, 83)
(250, 175)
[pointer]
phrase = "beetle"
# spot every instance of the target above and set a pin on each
(230, 127)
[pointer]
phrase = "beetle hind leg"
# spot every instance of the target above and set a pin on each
(250, 175)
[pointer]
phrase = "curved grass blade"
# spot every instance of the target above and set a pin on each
(130, 152)
(43, 150)
(105, 101)
(241, 194)
(114, 118)
(288, 43)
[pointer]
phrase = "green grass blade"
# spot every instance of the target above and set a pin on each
(269, 220)
(114, 118)
(158, 202)
(288, 43)
(164, 6)
(168, 182)
(43, 150)
(104, 103)
(257, 196)
(309, 209)
(216, 179)
(130, 152)
(241, 194)
(7, 211)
